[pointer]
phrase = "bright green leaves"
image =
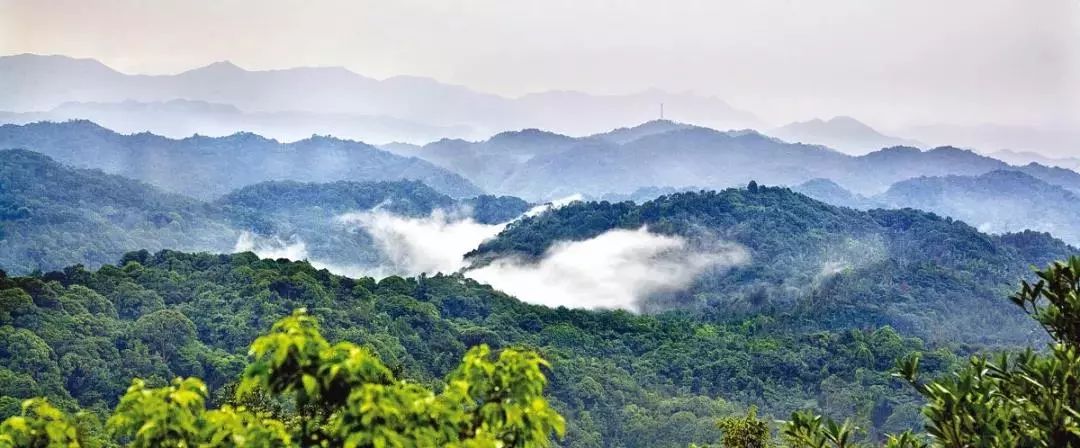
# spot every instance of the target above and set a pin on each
(745, 432)
(235, 427)
(505, 397)
(397, 415)
(176, 416)
(295, 359)
(1022, 400)
(167, 416)
(343, 396)
(291, 350)
(347, 396)
(41, 425)
(906, 439)
(486, 403)
(807, 430)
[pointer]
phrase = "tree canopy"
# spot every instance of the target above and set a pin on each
(1029, 399)
(77, 337)
(342, 396)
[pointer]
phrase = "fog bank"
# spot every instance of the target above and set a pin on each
(615, 270)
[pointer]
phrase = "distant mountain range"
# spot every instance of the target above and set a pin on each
(1049, 142)
(532, 164)
(842, 133)
(829, 192)
(806, 256)
(52, 215)
(184, 118)
(639, 163)
(208, 167)
(288, 104)
(629, 134)
(537, 164)
(996, 202)
(1026, 157)
(1017, 145)
(36, 83)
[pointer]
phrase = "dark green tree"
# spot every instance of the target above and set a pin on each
(165, 331)
(1030, 399)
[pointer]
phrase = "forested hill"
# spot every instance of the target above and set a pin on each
(79, 336)
(405, 198)
(53, 215)
(310, 214)
(998, 201)
(820, 265)
(208, 167)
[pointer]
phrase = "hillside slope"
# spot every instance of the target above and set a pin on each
(52, 215)
(824, 266)
(996, 202)
(208, 167)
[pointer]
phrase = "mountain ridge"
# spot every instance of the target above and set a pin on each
(338, 90)
(178, 118)
(53, 215)
(199, 166)
(840, 132)
(998, 201)
(672, 155)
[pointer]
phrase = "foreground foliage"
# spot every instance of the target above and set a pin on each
(1024, 400)
(77, 337)
(300, 389)
(342, 395)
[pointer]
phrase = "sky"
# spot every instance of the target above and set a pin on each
(889, 62)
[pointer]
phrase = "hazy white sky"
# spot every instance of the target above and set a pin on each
(888, 62)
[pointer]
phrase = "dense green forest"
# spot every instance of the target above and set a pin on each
(1025, 399)
(822, 267)
(829, 301)
(299, 390)
(77, 337)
